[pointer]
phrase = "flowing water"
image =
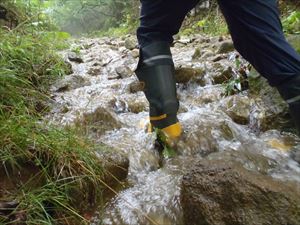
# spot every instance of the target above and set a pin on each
(153, 194)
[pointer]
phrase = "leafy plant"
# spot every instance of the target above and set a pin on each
(291, 24)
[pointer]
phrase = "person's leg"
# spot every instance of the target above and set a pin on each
(160, 20)
(257, 34)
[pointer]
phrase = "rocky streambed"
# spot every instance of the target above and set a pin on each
(234, 163)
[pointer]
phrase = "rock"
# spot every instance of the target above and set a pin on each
(113, 76)
(136, 86)
(98, 122)
(184, 40)
(295, 154)
(225, 47)
(115, 166)
(222, 75)
(137, 105)
(197, 54)
(215, 192)
(124, 71)
(237, 107)
(94, 71)
(70, 83)
(185, 74)
(207, 54)
(219, 57)
(271, 110)
(204, 133)
(135, 53)
(130, 43)
(73, 57)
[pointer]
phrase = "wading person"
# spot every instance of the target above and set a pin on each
(257, 34)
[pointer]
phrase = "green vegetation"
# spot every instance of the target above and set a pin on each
(43, 168)
(291, 23)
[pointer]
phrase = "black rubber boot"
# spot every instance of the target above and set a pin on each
(156, 71)
(290, 91)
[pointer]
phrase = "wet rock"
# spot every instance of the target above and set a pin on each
(271, 111)
(98, 122)
(124, 71)
(197, 54)
(94, 71)
(118, 105)
(135, 53)
(207, 54)
(137, 105)
(184, 40)
(295, 154)
(113, 76)
(136, 86)
(73, 57)
(115, 166)
(225, 47)
(238, 108)
(70, 83)
(204, 134)
(130, 43)
(222, 74)
(215, 192)
(185, 74)
(219, 57)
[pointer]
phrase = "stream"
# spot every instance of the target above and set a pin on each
(219, 116)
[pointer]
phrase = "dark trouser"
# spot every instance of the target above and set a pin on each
(256, 31)
(254, 26)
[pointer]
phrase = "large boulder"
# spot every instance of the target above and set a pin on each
(215, 192)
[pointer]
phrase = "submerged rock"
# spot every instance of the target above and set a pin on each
(238, 108)
(98, 122)
(215, 192)
(270, 111)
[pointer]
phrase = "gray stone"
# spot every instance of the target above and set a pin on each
(130, 43)
(73, 57)
(238, 108)
(98, 122)
(215, 192)
(185, 74)
(222, 75)
(94, 71)
(70, 83)
(136, 86)
(135, 53)
(124, 71)
(225, 47)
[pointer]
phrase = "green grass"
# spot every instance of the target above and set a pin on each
(64, 161)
